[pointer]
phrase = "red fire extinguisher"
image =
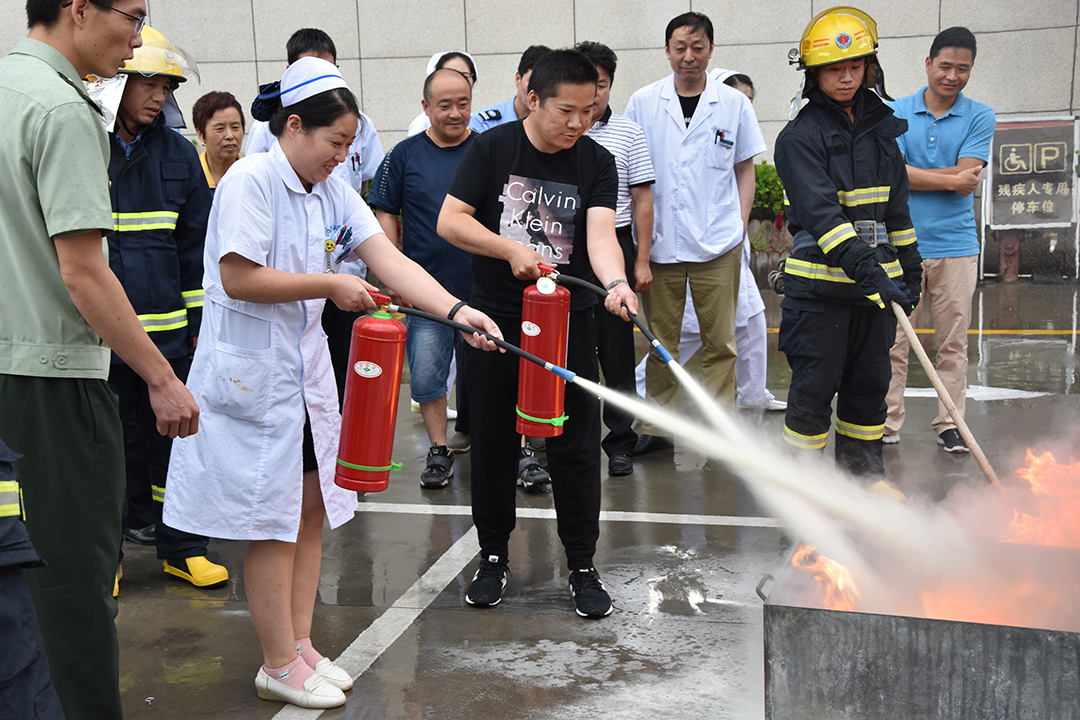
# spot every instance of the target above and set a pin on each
(545, 326)
(371, 400)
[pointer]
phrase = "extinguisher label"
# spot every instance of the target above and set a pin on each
(530, 328)
(366, 369)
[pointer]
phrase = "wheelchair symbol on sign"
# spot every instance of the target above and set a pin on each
(1015, 159)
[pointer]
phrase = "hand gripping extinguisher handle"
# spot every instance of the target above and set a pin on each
(379, 298)
(636, 319)
(560, 371)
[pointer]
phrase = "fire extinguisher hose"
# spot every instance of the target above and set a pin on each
(560, 371)
(660, 349)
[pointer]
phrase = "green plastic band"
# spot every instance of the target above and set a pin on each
(381, 315)
(365, 468)
(557, 422)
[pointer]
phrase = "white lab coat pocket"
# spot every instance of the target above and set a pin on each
(239, 382)
(720, 155)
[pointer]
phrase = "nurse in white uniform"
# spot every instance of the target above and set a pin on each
(262, 469)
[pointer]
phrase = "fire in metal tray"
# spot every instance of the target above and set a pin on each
(1030, 578)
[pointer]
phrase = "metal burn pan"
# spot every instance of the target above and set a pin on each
(825, 664)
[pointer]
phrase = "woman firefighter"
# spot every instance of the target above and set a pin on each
(855, 249)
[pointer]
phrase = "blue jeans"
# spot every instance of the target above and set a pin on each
(429, 346)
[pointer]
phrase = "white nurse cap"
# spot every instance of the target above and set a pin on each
(307, 77)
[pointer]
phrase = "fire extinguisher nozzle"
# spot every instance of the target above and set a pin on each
(561, 372)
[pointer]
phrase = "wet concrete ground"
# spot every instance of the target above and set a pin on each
(683, 545)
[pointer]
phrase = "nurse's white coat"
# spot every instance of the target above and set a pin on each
(258, 365)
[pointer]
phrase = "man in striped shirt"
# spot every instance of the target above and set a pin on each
(625, 140)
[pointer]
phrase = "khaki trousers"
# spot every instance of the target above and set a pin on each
(714, 286)
(949, 283)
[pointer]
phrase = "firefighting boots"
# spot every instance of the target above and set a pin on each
(197, 570)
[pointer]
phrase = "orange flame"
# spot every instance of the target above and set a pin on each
(1057, 522)
(833, 579)
(1011, 594)
(1004, 589)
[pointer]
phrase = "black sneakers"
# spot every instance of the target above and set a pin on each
(488, 583)
(951, 442)
(590, 597)
(531, 474)
(440, 468)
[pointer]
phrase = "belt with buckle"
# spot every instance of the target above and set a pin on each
(870, 232)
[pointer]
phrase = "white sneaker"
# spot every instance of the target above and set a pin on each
(318, 692)
(890, 439)
(773, 405)
(334, 674)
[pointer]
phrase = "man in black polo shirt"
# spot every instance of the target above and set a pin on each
(529, 192)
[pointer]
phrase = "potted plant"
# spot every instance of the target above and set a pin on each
(769, 240)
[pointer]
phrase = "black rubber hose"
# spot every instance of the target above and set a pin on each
(560, 371)
(660, 349)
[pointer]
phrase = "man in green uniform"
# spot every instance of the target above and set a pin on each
(63, 309)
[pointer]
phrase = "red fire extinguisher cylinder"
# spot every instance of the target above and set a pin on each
(545, 327)
(369, 412)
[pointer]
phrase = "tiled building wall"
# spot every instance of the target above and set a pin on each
(1027, 61)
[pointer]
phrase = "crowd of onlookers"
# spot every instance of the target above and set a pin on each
(196, 370)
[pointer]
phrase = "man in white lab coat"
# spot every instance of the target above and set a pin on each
(702, 136)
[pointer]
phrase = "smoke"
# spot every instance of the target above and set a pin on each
(914, 558)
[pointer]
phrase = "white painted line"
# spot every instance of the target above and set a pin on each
(388, 627)
(413, 509)
(979, 393)
(673, 519)
(549, 514)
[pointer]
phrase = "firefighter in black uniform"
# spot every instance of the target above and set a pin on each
(25, 688)
(855, 248)
(161, 204)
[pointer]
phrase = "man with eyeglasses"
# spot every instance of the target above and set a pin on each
(63, 311)
(139, 20)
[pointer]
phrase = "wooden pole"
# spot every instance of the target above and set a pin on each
(928, 366)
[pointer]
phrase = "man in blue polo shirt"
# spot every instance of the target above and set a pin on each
(412, 180)
(946, 145)
(517, 107)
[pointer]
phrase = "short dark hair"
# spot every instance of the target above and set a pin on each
(529, 58)
(693, 20)
(450, 56)
(599, 54)
(317, 111)
(561, 67)
(309, 41)
(47, 12)
(210, 103)
(431, 79)
(736, 79)
(954, 37)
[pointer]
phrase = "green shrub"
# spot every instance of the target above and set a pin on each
(769, 192)
(768, 209)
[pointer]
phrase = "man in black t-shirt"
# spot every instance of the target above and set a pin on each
(531, 192)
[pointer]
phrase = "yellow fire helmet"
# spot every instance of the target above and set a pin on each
(158, 56)
(839, 33)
